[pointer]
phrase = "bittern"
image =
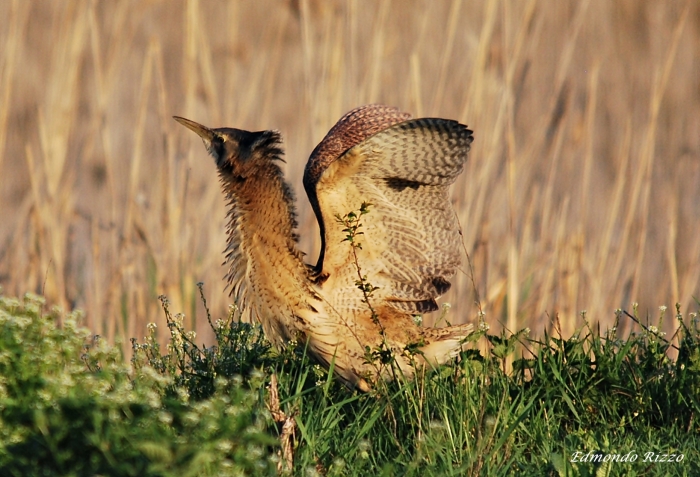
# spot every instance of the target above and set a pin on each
(356, 306)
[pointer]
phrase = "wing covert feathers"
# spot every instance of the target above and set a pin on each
(410, 241)
(353, 128)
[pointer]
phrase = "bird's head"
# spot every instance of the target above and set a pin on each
(237, 152)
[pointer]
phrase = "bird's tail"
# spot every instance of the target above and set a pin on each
(445, 343)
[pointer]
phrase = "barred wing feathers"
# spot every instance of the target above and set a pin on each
(410, 242)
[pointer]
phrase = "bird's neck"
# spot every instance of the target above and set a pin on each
(267, 275)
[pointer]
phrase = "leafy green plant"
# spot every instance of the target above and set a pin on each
(71, 405)
(352, 222)
(241, 352)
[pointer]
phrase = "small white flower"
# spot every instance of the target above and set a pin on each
(364, 447)
(311, 471)
(435, 424)
(165, 417)
(224, 446)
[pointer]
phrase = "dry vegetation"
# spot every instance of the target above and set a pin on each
(582, 190)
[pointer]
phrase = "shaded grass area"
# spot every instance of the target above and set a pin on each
(70, 404)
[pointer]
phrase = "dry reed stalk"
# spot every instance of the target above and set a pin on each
(446, 53)
(510, 60)
(606, 245)
(474, 100)
(19, 13)
(287, 425)
(647, 153)
(583, 259)
(416, 99)
(378, 44)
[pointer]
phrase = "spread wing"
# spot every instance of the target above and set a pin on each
(410, 241)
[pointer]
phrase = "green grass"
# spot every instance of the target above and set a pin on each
(72, 405)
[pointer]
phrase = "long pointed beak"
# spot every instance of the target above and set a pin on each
(204, 132)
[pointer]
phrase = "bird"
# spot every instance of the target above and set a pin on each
(378, 184)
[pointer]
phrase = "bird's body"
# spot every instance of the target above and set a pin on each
(409, 241)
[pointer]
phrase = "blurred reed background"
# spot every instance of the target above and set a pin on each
(582, 191)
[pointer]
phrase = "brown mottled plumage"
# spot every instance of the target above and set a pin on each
(410, 244)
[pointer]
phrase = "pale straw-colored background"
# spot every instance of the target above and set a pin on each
(582, 190)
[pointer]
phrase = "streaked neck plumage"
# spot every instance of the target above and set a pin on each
(266, 272)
